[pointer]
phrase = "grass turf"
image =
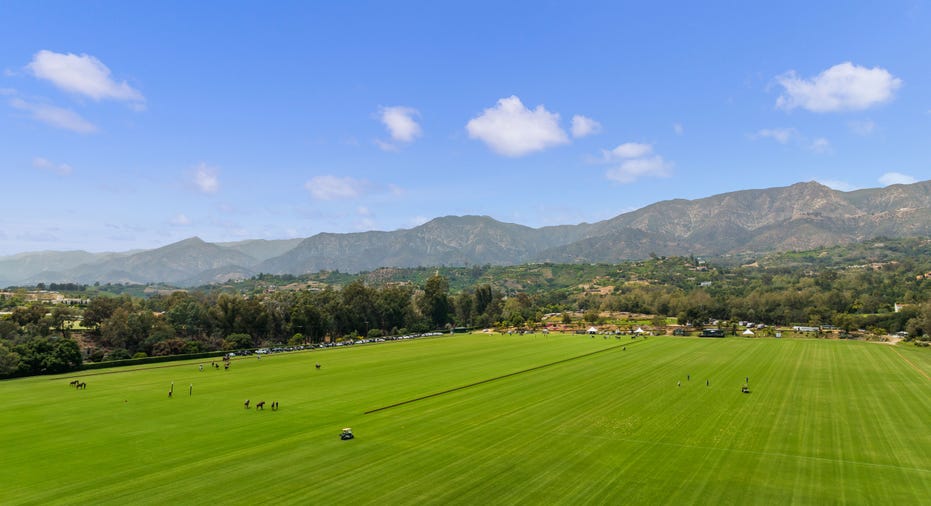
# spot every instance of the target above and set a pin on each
(827, 421)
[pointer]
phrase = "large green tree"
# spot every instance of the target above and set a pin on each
(434, 302)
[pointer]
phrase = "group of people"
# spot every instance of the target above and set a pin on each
(745, 389)
(688, 377)
(226, 364)
(261, 405)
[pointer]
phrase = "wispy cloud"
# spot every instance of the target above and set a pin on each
(334, 187)
(780, 135)
(678, 128)
(62, 169)
(890, 178)
(838, 185)
(583, 126)
(417, 221)
(55, 116)
(864, 127)
(511, 129)
(819, 145)
(180, 220)
(365, 219)
(632, 170)
(206, 178)
(83, 75)
(627, 150)
(843, 87)
(635, 162)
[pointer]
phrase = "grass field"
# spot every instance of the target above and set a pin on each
(826, 422)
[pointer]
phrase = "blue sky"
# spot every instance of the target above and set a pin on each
(129, 125)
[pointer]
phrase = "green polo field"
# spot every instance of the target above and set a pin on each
(583, 421)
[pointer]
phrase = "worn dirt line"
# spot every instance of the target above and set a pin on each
(915, 367)
(496, 378)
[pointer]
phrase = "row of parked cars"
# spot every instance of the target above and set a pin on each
(350, 342)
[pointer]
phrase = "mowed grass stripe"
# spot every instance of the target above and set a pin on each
(793, 457)
(826, 421)
(496, 378)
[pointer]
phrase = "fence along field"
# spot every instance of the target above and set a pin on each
(826, 421)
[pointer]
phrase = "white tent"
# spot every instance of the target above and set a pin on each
(592, 330)
(640, 331)
(747, 332)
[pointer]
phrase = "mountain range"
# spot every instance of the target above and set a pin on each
(796, 217)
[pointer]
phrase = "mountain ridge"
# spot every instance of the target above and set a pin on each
(800, 216)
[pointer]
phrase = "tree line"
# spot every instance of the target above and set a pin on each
(37, 338)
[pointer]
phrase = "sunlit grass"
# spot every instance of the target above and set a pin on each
(827, 421)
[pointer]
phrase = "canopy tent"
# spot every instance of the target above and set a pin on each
(640, 331)
(592, 330)
(748, 332)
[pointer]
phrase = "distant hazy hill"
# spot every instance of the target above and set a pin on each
(801, 216)
(451, 240)
(174, 263)
(262, 249)
(47, 265)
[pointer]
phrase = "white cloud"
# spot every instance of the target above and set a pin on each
(206, 178)
(55, 116)
(627, 150)
(780, 135)
(84, 75)
(863, 128)
(820, 145)
(583, 126)
(180, 220)
(678, 128)
(633, 169)
(636, 160)
(400, 123)
(333, 187)
(890, 178)
(838, 185)
(843, 87)
(62, 169)
(510, 129)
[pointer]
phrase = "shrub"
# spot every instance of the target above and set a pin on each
(118, 354)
